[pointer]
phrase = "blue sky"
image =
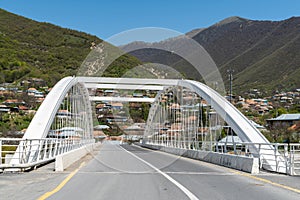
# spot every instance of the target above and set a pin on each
(105, 18)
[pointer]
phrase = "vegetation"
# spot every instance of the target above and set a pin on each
(30, 49)
(140, 114)
(263, 54)
(9, 123)
(280, 133)
(7, 150)
(33, 49)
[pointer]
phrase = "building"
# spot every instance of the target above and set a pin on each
(284, 120)
(135, 129)
(117, 106)
(13, 102)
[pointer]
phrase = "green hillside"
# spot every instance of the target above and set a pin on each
(34, 49)
(263, 54)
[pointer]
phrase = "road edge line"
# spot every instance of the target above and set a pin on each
(61, 185)
(267, 181)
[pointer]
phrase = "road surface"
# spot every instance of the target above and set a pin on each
(130, 172)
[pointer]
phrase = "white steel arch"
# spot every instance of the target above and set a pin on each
(239, 123)
(245, 130)
(41, 123)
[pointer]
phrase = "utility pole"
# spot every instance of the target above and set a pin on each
(230, 72)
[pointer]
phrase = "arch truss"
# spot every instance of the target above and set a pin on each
(184, 113)
(63, 122)
(191, 115)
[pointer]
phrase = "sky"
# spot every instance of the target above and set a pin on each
(105, 18)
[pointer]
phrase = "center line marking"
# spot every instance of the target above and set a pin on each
(181, 187)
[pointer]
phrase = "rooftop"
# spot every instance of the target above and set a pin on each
(288, 117)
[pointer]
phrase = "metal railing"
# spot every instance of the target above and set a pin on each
(278, 157)
(27, 153)
(294, 156)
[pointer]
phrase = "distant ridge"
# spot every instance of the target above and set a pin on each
(234, 19)
(263, 54)
(194, 32)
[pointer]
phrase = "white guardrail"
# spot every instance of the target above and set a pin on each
(295, 159)
(42, 151)
(283, 157)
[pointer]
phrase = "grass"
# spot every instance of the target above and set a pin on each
(7, 150)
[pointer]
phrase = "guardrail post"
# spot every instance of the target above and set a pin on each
(276, 157)
(39, 149)
(45, 149)
(67, 145)
(29, 150)
(63, 146)
(286, 158)
(23, 151)
(58, 148)
(54, 148)
(259, 156)
(50, 149)
(234, 147)
(292, 159)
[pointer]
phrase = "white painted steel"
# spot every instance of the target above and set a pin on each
(41, 123)
(44, 150)
(136, 81)
(294, 156)
(45, 116)
(246, 131)
(124, 86)
(239, 123)
(122, 99)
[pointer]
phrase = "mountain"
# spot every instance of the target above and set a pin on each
(42, 50)
(263, 54)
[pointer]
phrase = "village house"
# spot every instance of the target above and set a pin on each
(261, 106)
(284, 120)
(13, 102)
(117, 106)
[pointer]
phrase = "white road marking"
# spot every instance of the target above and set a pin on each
(177, 173)
(181, 187)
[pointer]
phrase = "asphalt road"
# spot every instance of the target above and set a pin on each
(129, 172)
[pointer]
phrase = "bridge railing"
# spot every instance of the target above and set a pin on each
(283, 157)
(39, 150)
(295, 159)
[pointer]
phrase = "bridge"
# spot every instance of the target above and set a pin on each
(186, 119)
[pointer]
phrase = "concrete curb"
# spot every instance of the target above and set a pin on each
(242, 163)
(63, 161)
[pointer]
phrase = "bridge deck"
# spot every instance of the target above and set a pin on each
(129, 172)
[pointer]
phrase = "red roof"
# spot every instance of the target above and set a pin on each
(23, 108)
